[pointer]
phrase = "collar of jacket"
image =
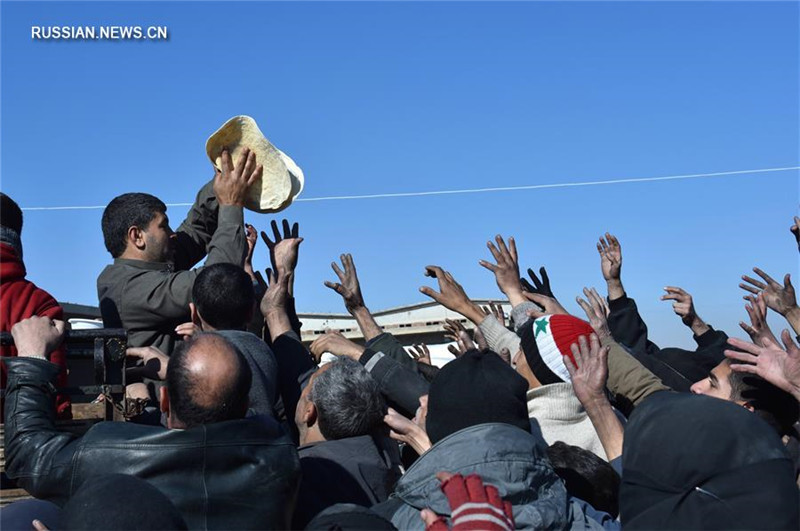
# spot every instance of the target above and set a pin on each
(11, 237)
(11, 265)
(555, 402)
(144, 264)
(505, 456)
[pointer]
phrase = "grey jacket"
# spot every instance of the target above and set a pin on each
(149, 299)
(264, 389)
(504, 456)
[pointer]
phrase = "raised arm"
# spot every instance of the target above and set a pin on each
(781, 299)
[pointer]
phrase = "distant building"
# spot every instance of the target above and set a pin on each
(411, 324)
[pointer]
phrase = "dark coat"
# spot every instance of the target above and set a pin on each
(239, 474)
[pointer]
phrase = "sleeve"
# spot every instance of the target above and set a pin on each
(519, 314)
(713, 344)
(37, 455)
(194, 234)
(390, 346)
(498, 336)
(294, 366)
(629, 378)
(401, 386)
(627, 326)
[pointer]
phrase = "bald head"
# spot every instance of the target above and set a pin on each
(208, 381)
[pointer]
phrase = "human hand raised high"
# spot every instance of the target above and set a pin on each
(610, 257)
(779, 367)
(541, 287)
(232, 183)
(595, 312)
(496, 310)
(277, 295)
(283, 248)
(683, 305)
(779, 298)
(451, 295)
(455, 331)
(506, 270)
(251, 235)
(348, 286)
(758, 329)
(588, 369)
(407, 431)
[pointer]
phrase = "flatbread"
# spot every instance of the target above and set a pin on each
(282, 179)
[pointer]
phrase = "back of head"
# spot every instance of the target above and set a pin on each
(126, 211)
(586, 476)
(208, 381)
(94, 506)
(696, 462)
(476, 388)
(224, 296)
(347, 399)
(775, 406)
(10, 214)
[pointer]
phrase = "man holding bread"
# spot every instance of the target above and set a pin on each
(148, 288)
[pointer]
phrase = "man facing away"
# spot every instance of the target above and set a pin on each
(148, 288)
(220, 469)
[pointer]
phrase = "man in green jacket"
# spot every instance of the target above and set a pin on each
(148, 288)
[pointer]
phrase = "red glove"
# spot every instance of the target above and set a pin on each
(474, 506)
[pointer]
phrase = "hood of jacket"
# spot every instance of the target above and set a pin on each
(504, 456)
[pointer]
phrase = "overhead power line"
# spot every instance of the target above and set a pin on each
(483, 190)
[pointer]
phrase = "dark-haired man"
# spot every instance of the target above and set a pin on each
(148, 287)
(224, 302)
(221, 470)
(21, 298)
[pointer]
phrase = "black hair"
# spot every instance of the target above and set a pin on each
(10, 214)
(184, 389)
(224, 296)
(126, 211)
(586, 476)
(775, 406)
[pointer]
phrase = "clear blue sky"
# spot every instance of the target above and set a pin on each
(389, 97)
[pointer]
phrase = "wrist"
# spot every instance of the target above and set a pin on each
(615, 289)
(472, 312)
(793, 314)
(698, 326)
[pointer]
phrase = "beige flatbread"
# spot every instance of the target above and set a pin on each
(282, 179)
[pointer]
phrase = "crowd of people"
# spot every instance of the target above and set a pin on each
(542, 420)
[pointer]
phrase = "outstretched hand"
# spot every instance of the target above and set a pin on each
(588, 369)
(778, 366)
(348, 286)
(473, 505)
(595, 311)
(407, 431)
(779, 298)
(506, 270)
(232, 183)
(549, 305)
(421, 353)
(758, 329)
(283, 248)
(610, 257)
(542, 287)
(683, 305)
(451, 295)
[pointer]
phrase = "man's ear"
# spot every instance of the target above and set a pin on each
(163, 399)
(309, 416)
(749, 407)
(195, 315)
(136, 237)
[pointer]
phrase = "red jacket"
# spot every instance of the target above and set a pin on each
(20, 299)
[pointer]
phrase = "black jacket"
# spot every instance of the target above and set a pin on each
(240, 474)
(361, 470)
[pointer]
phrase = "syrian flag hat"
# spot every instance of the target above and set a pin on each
(546, 339)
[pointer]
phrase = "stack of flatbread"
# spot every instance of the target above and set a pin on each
(282, 179)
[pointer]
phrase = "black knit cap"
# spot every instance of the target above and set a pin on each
(476, 388)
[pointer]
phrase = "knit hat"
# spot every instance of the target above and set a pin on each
(546, 339)
(476, 388)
